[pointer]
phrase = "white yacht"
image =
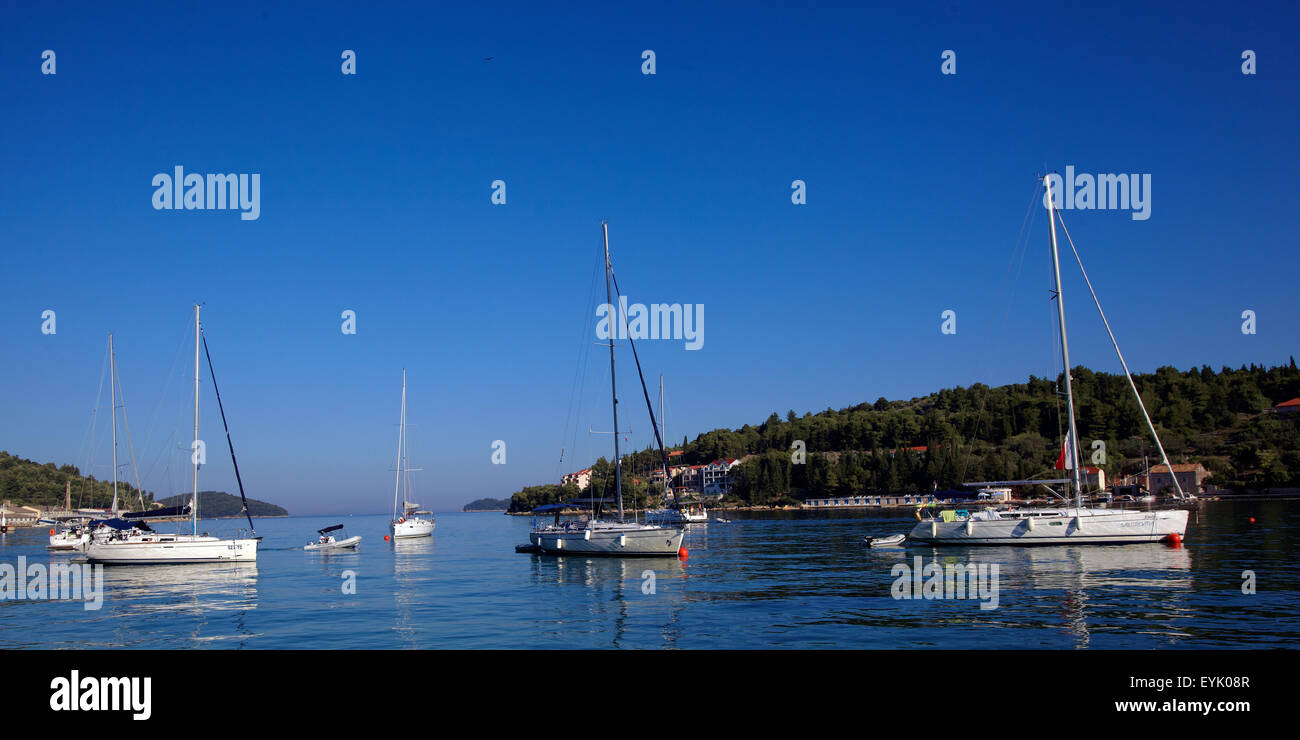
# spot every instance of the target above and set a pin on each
(618, 538)
(409, 520)
(595, 537)
(135, 546)
(1070, 524)
(683, 513)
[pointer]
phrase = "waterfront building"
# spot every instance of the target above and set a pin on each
(1191, 476)
(581, 479)
(872, 500)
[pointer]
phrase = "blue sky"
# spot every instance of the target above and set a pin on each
(375, 197)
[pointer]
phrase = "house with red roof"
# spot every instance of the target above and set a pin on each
(1288, 407)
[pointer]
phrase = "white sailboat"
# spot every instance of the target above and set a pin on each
(602, 537)
(409, 520)
(69, 537)
(1068, 524)
(142, 547)
(78, 532)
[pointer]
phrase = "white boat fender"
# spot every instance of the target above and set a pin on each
(559, 543)
(622, 540)
(934, 529)
(586, 534)
(1029, 523)
(970, 527)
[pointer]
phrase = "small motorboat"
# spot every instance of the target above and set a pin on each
(720, 520)
(327, 541)
(893, 540)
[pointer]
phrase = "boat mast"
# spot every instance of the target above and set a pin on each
(663, 429)
(194, 502)
(112, 399)
(613, 387)
(401, 447)
(1072, 440)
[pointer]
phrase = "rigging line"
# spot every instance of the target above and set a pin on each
(139, 492)
(1151, 426)
(212, 371)
(1019, 248)
(570, 431)
(153, 415)
(644, 392)
(84, 483)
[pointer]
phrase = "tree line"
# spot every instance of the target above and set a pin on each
(1222, 419)
(27, 482)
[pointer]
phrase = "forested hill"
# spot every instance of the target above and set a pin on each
(1224, 420)
(220, 504)
(488, 504)
(27, 482)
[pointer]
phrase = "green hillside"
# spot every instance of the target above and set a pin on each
(488, 504)
(1224, 420)
(30, 483)
(220, 504)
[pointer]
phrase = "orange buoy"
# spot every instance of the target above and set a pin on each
(385, 538)
(1252, 520)
(51, 532)
(1174, 539)
(682, 553)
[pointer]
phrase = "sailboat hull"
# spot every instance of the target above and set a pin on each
(171, 549)
(412, 527)
(65, 541)
(632, 541)
(1098, 527)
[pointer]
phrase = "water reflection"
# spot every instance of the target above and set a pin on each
(218, 598)
(621, 602)
(412, 581)
(1145, 586)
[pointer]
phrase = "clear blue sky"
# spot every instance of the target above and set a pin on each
(375, 196)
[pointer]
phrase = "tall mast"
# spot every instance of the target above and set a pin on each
(112, 397)
(613, 387)
(194, 502)
(663, 433)
(401, 447)
(1073, 439)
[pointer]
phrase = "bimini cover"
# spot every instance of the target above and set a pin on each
(327, 530)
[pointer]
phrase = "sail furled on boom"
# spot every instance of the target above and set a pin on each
(229, 443)
(170, 511)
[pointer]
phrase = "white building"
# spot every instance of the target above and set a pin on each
(581, 479)
(716, 476)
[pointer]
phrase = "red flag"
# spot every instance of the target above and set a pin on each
(1065, 461)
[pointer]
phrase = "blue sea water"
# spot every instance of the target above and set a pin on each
(778, 580)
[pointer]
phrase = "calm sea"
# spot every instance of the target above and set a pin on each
(789, 581)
